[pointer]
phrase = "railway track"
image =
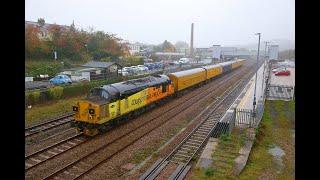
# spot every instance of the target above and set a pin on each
(50, 124)
(182, 155)
(39, 157)
(84, 165)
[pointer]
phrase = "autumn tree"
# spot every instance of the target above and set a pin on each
(35, 48)
(71, 43)
(168, 47)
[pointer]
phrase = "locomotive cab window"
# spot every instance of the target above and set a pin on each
(164, 88)
(99, 92)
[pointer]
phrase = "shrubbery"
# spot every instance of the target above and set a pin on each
(55, 93)
(209, 171)
(35, 68)
(32, 97)
(58, 92)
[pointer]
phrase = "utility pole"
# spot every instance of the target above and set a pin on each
(255, 84)
(264, 65)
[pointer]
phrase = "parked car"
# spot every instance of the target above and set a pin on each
(125, 71)
(60, 79)
(158, 65)
(176, 62)
(134, 69)
(278, 69)
(283, 73)
(143, 68)
(150, 66)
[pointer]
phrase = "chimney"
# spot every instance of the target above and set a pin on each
(191, 42)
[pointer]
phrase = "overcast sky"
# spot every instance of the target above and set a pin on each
(225, 22)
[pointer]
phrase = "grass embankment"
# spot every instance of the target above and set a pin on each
(223, 156)
(275, 129)
(38, 113)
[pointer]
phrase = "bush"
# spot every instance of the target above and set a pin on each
(209, 171)
(74, 90)
(225, 137)
(55, 93)
(59, 92)
(106, 59)
(32, 97)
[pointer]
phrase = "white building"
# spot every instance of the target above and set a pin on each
(216, 51)
(134, 48)
(273, 52)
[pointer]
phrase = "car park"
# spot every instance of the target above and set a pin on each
(60, 79)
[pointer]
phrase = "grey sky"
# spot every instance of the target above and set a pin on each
(225, 22)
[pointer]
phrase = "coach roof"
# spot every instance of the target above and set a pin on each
(187, 72)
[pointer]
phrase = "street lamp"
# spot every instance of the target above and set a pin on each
(264, 65)
(255, 84)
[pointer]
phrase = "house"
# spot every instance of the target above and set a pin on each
(44, 29)
(102, 70)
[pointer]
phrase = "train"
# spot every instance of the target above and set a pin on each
(107, 105)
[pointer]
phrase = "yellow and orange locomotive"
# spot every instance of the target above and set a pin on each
(110, 104)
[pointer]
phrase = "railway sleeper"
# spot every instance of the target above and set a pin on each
(201, 132)
(178, 159)
(181, 155)
(192, 143)
(207, 125)
(210, 123)
(72, 143)
(199, 135)
(44, 156)
(187, 149)
(204, 129)
(185, 152)
(198, 138)
(194, 140)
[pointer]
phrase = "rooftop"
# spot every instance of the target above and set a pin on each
(99, 64)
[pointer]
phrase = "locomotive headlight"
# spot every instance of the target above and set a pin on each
(75, 108)
(91, 111)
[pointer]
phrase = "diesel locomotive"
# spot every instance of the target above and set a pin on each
(107, 105)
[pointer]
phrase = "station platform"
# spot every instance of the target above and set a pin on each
(245, 98)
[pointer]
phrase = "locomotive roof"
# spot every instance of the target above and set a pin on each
(187, 72)
(135, 85)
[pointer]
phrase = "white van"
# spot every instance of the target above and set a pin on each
(184, 61)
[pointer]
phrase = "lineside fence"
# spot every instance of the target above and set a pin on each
(280, 92)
